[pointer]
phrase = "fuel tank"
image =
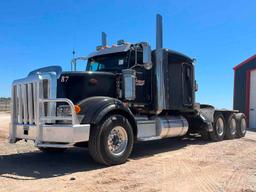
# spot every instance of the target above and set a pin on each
(77, 86)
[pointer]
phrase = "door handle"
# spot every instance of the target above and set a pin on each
(252, 109)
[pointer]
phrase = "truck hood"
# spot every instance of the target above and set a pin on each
(77, 86)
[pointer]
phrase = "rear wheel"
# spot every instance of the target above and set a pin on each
(111, 141)
(231, 127)
(219, 128)
(241, 125)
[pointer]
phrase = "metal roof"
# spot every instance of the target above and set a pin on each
(244, 62)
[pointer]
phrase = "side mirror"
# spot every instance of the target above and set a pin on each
(147, 63)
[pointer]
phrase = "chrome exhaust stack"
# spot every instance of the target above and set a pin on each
(159, 71)
(159, 31)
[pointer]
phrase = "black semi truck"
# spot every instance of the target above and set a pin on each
(126, 94)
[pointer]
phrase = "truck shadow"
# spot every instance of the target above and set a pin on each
(37, 165)
(150, 148)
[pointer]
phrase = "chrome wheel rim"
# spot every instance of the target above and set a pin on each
(232, 126)
(220, 126)
(243, 125)
(117, 141)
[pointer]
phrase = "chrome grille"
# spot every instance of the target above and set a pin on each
(25, 102)
(27, 93)
(28, 110)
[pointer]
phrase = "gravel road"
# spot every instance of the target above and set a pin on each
(187, 164)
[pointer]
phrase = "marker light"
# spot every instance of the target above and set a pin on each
(77, 109)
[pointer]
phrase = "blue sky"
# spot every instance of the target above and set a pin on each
(219, 34)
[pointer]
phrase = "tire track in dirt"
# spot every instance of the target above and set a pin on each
(204, 182)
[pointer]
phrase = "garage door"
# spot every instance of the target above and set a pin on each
(252, 113)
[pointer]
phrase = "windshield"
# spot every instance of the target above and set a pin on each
(113, 62)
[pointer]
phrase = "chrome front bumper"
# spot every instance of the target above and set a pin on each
(33, 113)
(68, 134)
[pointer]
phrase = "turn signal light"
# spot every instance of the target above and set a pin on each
(77, 109)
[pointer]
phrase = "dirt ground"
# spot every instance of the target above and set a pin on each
(187, 164)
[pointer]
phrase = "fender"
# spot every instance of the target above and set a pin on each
(96, 108)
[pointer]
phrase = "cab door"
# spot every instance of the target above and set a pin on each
(143, 86)
(188, 84)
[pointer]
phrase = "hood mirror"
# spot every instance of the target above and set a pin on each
(147, 62)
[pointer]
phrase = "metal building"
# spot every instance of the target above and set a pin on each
(245, 89)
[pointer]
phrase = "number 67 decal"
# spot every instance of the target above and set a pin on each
(64, 79)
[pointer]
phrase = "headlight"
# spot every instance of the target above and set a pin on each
(63, 110)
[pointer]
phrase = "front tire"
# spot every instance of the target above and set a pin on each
(219, 128)
(111, 141)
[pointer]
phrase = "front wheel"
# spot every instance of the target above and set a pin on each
(111, 141)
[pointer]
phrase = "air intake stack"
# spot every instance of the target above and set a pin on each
(103, 39)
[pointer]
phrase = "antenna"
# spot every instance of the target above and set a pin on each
(103, 39)
(159, 31)
(73, 52)
(73, 62)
